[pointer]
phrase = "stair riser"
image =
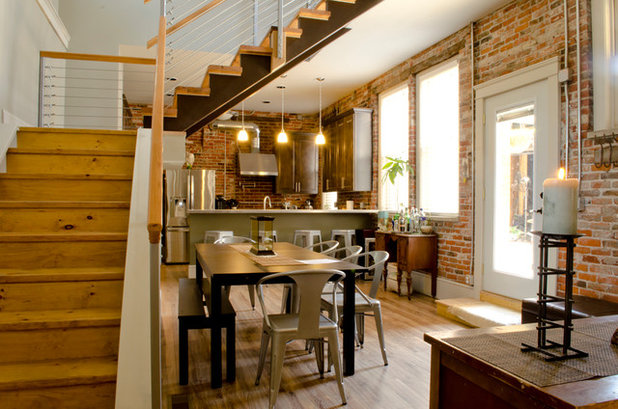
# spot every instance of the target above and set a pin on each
(62, 343)
(61, 295)
(64, 220)
(70, 164)
(58, 140)
(63, 254)
(62, 189)
(100, 396)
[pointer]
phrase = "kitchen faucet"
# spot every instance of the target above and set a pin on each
(267, 198)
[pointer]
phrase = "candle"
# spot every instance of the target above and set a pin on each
(560, 205)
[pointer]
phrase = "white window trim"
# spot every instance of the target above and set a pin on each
(384, 94)
(448, 217)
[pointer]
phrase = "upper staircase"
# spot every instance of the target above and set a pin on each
(223, 87)
(64, 210)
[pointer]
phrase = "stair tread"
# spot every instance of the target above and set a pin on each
(60, 274)
(17, 237)
(255, 49)
(60, 204)
(79, 131)
(69, 152)
(72, 318)
(224, 70)
(47, 176)
(314, 14)
(29, 375)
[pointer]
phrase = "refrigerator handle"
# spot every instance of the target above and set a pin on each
(190, 189)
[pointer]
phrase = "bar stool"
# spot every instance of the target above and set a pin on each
(347, 235)
(210, 236)
(368, 241)
(307, 237)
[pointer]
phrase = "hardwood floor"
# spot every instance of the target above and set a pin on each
(404, 383)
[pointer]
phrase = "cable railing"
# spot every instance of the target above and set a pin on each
(214, 37)
(93, 91)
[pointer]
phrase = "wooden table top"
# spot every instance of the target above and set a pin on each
(591, 393)
(218, 259)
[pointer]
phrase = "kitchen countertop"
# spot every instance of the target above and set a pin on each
(279, 211)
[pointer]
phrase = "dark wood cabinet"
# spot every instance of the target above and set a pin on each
(297, 162)
(347, 154)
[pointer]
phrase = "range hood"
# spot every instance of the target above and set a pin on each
(254, 163)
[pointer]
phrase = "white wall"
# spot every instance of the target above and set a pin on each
(24, 31)
(100, 26)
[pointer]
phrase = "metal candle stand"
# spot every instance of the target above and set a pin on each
(543, 344)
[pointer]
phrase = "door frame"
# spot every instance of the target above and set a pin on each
(543, 71)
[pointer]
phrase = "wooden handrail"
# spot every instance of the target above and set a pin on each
(155, 196)
(98, 57)
(185, 21)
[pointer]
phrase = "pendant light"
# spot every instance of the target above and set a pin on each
(319, 138)
(243, 136)
(282, 137)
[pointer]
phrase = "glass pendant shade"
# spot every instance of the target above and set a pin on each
(319, 139)
(282, 137)
(243, 136)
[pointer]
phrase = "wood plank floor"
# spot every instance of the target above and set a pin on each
(404, 383)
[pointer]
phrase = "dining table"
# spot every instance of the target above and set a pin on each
(233, 264)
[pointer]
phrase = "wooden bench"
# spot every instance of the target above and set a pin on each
(192, 315)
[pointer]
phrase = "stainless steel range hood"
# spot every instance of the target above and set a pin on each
(254, 163)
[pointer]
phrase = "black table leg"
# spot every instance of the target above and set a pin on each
(348, 323)
(215, 334)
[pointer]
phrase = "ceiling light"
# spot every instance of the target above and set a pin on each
(242, 135)
(282, 137)
(319, 138)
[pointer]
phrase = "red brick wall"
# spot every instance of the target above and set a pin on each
(522, 33)
(218, 150)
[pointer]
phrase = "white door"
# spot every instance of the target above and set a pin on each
(520, 151)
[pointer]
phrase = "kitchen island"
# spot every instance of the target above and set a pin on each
(286, 222)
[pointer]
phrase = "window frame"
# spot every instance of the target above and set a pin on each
(390, 91)
(430, 72)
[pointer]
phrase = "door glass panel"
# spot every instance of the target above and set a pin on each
(513, 244)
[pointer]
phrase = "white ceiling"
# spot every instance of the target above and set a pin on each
(381, 38)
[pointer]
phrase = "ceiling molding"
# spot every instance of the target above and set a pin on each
(55, 21)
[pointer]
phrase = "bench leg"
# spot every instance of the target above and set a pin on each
(230, 350)
(183, 354)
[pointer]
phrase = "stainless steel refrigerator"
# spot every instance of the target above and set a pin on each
(184, 190)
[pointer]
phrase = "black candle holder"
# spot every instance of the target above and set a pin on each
(544, 345)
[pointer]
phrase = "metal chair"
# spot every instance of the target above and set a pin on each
(324, 246)
(308, 323)
(364, 304)
(347, 253)
(238, 240)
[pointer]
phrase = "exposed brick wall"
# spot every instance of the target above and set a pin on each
(218, 150)
(521, 33)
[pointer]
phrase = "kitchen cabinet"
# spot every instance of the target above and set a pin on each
(347, 154)
(297, 162)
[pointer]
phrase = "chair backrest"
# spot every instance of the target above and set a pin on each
(350, 253)
(324, 246)
(234, 240)
(310, 284)
(378, 258)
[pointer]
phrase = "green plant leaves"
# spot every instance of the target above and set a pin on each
(396, 167)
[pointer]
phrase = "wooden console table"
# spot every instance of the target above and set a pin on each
(412, 252)
(462, 380)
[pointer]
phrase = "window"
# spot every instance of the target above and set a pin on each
(394, 141)
(605, 63)
(437, 149)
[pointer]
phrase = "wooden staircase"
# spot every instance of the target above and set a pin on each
(64, 210)
(253, 67)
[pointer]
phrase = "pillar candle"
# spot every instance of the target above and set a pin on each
(560, 198)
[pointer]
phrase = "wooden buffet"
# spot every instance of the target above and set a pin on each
(418, 252)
